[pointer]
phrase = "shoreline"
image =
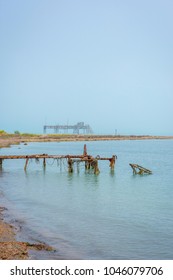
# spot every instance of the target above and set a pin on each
(10, 247)
(13, 249)
(6, 140)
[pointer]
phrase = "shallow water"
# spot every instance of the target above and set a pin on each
(110, 216)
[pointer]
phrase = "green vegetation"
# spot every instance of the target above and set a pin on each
(29, 134)
(2, 132)
(16, 132)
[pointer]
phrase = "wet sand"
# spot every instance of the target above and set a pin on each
(10, 248)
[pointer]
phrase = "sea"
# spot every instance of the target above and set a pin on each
(114, 215)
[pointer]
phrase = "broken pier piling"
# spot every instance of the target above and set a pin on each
(138, 169)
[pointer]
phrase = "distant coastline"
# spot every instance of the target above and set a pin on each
(11, 139)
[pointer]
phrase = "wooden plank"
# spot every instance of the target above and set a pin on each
(52, 156)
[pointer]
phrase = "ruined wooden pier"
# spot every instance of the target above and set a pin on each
(138, 169)
(90, 161)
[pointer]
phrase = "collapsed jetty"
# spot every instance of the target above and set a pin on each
(138, 169)
(90, 161)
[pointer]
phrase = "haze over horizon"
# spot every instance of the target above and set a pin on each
(106, 63)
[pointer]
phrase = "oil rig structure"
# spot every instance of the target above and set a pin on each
(76, 129)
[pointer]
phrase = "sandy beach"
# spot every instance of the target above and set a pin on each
(11, 139)
(10, 248)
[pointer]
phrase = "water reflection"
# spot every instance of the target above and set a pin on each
(1, 170)
(112, 172)
(85, 178)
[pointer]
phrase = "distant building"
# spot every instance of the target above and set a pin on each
(76, 129)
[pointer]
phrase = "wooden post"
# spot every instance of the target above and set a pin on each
(77, 162)
(85, 150)
(112, 162)
(70, 165)
(87, 164)
(1, 163)
(96, 168)
(94, 165)
(134, 170)
(44, 162)
(26, 163)
(85, 154)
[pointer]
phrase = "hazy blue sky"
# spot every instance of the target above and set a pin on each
(108, 63)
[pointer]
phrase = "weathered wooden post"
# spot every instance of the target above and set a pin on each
(70, 165)
(85, 150)
(94, 165)
(134, 170)
(87, 164)
(44, 163)
(77, 163)
(112, 162)
(96, 168)
(1, 163)
(26, 163)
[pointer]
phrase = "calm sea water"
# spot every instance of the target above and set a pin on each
(84, 216)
